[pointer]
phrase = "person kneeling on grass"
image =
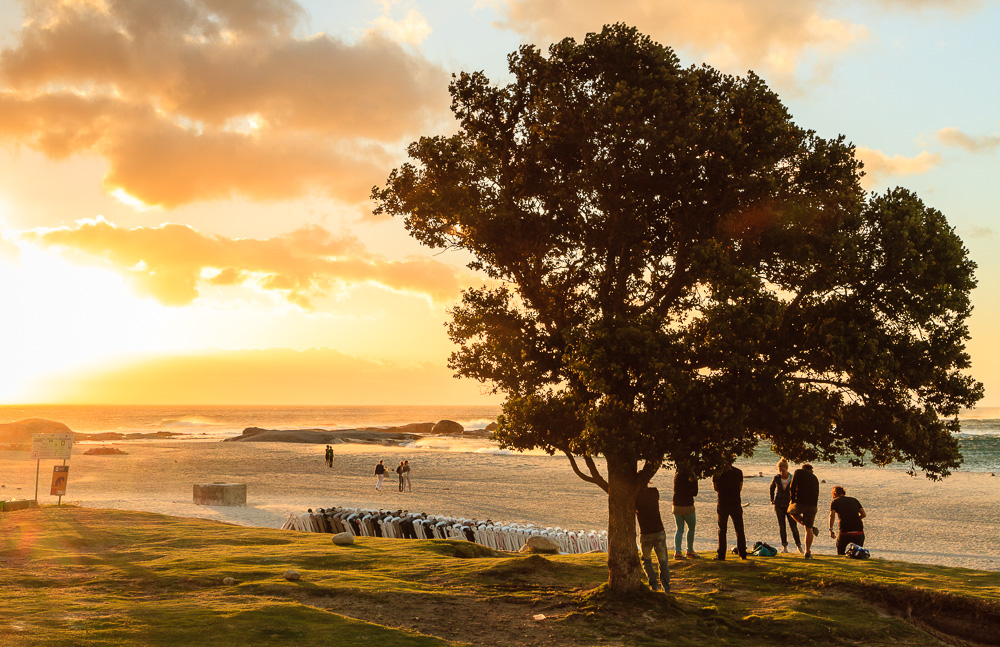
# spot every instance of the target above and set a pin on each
(850, 511)
(652, 537)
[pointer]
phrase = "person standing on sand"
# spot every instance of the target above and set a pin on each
(780, 500)
(406, 476)
(850, 511)
(803, 492)
(652, 537)
(685, 490)
(729, 483)
(399, 475)
(329, 456)
(379, 475)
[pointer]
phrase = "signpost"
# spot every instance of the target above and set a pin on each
(60, 474)
(57, 446)
(52, 446)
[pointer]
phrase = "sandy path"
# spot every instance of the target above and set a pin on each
(954, 522)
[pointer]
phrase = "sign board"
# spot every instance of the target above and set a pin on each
(60, 474)
(46, 446)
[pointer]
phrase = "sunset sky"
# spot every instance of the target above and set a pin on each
(184, 213)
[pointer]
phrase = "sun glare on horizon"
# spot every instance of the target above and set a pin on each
(63, 315)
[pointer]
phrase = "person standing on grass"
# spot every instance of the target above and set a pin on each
(729, 483)
(406, 476)
(685, 490)
(803, 492)
(379, 475)
(850, 511)
(780, 500)
(652, 537)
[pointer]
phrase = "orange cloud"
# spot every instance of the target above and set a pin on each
(173, 262)
(770, 36)
(273, 376)
(172, 91)
(878, 165)
(974, 144)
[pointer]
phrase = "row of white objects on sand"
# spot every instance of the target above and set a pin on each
(408, 525)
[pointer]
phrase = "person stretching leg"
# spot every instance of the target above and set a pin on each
(804, 495)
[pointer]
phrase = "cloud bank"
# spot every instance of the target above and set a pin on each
(769, 36)
(193, 100)
(775, 38)
(174, 263)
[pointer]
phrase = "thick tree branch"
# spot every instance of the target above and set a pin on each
(649, 470)
(595, 475)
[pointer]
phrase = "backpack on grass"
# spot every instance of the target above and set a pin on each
(856, 552)
(763, 549)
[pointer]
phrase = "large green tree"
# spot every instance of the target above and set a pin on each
(679, 272)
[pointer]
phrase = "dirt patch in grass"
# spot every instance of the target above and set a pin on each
(493, 621)
(953, 619)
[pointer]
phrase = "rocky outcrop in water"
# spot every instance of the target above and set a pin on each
(105, 451)
(371, 435)
(22, 430)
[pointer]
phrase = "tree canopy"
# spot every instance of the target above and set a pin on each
(677, 272)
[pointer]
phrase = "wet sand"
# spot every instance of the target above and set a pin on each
(954, 522)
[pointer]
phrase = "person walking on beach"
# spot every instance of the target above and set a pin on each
(729, 483)
(850, 511)
(406, 476)
(399, 475)
(329, 456)
(379, 475)
(803, 492)
(652, 537)
(685, 490)
(780, 500)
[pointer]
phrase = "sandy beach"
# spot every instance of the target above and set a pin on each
(954, 522)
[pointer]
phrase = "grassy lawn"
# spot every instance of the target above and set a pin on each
(75, 576)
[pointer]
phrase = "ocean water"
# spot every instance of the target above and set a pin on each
(979, 439)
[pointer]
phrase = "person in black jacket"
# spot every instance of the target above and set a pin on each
(652, 537)
(729, 483)
(780, 485)
(685, 490)
(803, 492)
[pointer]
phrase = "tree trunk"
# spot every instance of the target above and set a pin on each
(624, 570)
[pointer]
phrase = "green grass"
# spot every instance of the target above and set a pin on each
(74, 576)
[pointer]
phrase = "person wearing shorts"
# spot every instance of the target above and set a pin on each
(804, 496)
(850, 511)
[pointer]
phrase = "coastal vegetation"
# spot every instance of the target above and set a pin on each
(76, 576)
(678, 272)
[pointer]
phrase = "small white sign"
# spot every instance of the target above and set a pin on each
(46, 446)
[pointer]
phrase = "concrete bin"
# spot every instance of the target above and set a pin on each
(224, 494)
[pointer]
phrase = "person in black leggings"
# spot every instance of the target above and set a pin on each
(780, 500)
